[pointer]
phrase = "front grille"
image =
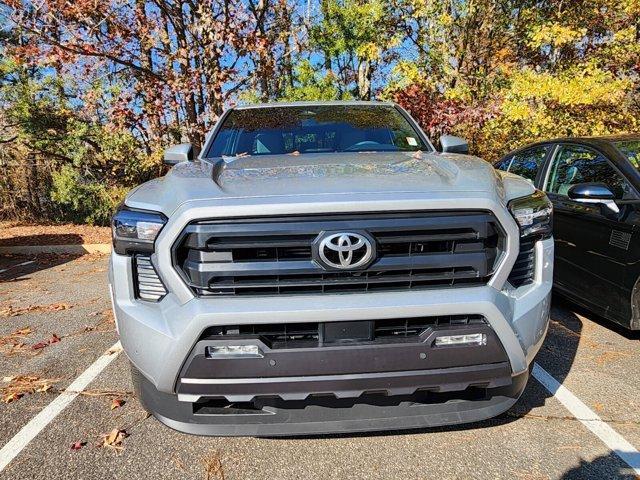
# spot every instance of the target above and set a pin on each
(309, 335)
(523, 270)
(271, 256)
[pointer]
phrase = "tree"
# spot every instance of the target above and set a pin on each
(355, 36)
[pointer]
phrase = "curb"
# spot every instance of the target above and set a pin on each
(77, 249)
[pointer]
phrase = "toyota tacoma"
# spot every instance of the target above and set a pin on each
(320, 267)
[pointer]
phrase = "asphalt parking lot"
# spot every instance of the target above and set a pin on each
(60, 305)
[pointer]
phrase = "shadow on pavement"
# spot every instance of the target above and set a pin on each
(17, 268)
(604, 466)
(603, 322)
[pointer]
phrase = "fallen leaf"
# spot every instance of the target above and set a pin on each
(12, 397)
(213, 466)
(114, 439)
(54, 339)
(117, 403)
(113, 350)
(598, 407)
(21, 385)
(45, 387)
(12, 311)
(12, 343)
(77, 445)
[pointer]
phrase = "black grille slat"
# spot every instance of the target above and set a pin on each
(523, 270)
(274, 255)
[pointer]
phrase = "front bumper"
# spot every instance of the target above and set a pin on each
(326, 415)
(158, 338)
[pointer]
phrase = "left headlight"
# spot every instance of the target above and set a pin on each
(135, 231)
(534, 214)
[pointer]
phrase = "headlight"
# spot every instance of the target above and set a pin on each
(534, 214)
(135, 231)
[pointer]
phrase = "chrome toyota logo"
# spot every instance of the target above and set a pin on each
(345, 250)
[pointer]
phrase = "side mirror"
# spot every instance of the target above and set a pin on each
(451, 144)
(178, 153)
(594, 193)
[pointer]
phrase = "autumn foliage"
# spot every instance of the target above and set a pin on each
(91, 92)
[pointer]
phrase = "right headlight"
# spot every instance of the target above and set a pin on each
(534, 214)
(135, 231)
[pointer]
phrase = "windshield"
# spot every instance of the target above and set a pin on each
(315, 129)
(631, 150)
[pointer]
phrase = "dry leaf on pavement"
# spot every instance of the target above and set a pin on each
(77, 445)
(21, 385)
(45, 343)
(213, 466)
(12, 311)
(13, 343)
(114, 439)
(117, 403)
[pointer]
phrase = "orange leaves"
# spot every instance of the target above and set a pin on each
(213, 466)
(117, 403)
(12, 311)
(14, 342)
(21, 385)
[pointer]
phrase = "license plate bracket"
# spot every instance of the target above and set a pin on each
(331, 333)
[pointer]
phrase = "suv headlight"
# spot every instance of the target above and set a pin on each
(135, 231)
(534, 214)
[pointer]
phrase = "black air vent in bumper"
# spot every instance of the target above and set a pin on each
(271, 256)
(523, 270)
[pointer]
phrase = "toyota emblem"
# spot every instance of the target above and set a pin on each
(345, 250)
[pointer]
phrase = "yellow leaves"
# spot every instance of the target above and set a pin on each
(582, 85)
(368, 51)
(554, 34)
(517, 110)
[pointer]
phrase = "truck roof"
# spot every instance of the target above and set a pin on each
(314, 104)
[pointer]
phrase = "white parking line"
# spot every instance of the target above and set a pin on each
(42, 419)
(590, 419)
(17, 265)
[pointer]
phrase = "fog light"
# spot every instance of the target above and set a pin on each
(468, 339)
(244, 351)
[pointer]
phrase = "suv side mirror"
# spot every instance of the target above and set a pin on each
(451, 144)
(178, 153)
(594, 193)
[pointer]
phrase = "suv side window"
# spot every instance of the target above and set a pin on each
(526, 163)
(575, 164)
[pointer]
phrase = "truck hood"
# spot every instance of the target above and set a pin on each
(318, 174)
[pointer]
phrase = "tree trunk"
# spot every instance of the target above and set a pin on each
(364, 80)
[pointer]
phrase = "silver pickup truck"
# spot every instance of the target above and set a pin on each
(321, 268)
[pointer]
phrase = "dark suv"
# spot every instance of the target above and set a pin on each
(594, 184)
